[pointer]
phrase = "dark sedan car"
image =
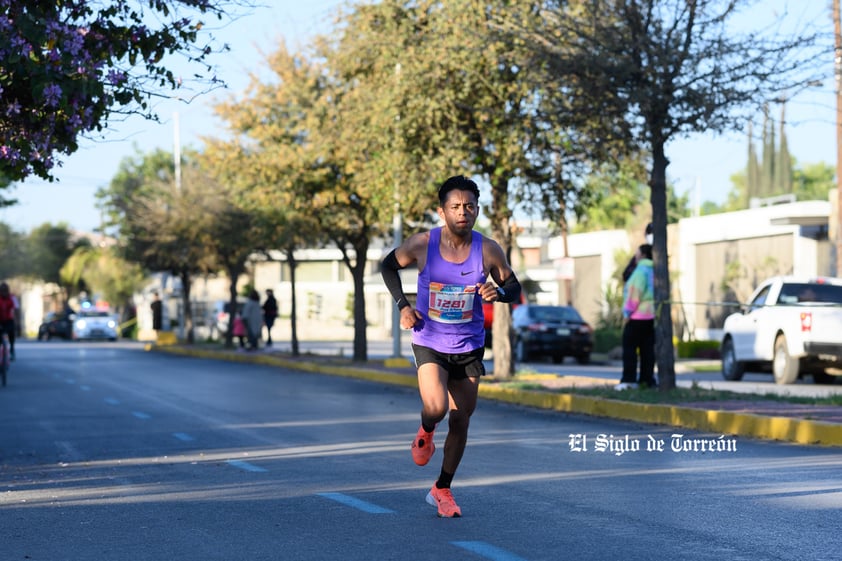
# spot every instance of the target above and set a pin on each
(551, 331)
(56, 324)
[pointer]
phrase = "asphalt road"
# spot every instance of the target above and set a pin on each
(111, 453)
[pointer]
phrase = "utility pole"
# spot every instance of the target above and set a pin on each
(397, 229)
(177, 173)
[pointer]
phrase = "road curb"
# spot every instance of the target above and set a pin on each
(800, 431)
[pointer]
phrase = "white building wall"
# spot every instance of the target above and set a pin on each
(753, 223)
(604, 244)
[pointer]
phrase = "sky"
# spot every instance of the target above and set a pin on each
(700, 165)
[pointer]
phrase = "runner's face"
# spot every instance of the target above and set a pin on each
(459, 211)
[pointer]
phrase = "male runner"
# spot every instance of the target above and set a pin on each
(454, 263)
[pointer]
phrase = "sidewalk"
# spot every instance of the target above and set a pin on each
(764, 419)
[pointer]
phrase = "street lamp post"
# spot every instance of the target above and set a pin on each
(397, 228)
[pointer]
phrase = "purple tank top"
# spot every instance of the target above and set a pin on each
(450, 306)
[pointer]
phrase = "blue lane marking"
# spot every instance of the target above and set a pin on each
(112, 401)
(356, 503)
(184, 437)
(489, 551)
(246, 466)
(141, 415)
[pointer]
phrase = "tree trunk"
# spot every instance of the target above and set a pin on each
(501, 326)
(360, 337)
(501, 339)
(357, 268)
(293, 315)
(186, 286)
(664, 357)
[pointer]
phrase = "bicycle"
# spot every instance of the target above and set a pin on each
(4, 357)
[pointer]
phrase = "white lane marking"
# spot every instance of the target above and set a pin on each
(85, 388)
(141, 415)
(246, 466)
(112, 401)
(183, 436)
(354, 502)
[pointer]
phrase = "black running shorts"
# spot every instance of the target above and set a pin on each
(458, 366)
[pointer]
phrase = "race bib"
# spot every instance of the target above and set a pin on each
(451, 303)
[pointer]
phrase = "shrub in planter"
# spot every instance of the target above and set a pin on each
(605, 339)
(698, 349)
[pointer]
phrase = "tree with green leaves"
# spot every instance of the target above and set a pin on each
(229, 233)
(162, 220)
(12, 252)
(375, 150)
(767, 163)
(664, 69)
(48, 247)
(269, 157)
(5, 183)
(783, 161)
(458, 97)
(811, 182)
(814, 182)
(103, 272)
(752, 170)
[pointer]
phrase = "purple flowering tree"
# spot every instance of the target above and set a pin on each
(66, 67)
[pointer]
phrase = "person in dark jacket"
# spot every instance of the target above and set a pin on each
(157, 312)
(270, 312)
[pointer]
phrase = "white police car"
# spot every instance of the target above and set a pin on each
(95, 323)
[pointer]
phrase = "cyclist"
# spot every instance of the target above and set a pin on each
(7, 317)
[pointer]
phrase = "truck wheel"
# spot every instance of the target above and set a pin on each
(731, 368)
(784, 367)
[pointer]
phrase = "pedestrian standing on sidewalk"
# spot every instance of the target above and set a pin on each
(639, 323)
(633, 261)
(240, 331)
(157, 312)
(253, 318)
(270, 312)
(448, 338)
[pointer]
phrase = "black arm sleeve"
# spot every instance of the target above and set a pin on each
(392, 279)
(511, 290)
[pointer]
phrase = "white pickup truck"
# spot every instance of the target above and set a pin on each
(791, 326)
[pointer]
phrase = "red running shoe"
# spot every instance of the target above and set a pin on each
(443, 500)
(423, 447)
